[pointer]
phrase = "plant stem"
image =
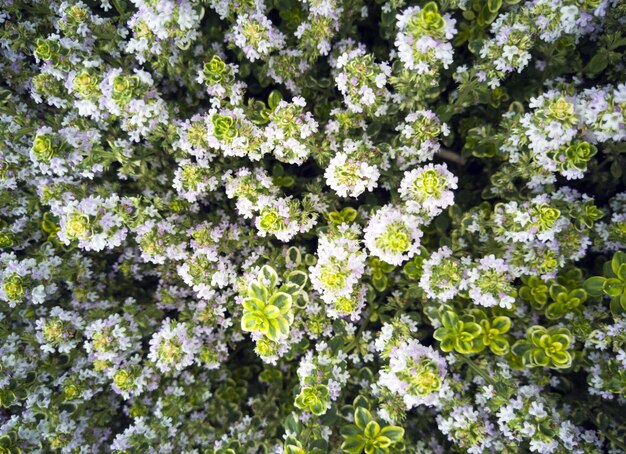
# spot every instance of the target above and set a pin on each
(352, 345)
(477, 369)
(452, 156)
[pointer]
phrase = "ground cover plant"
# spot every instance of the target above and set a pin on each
(312, 226)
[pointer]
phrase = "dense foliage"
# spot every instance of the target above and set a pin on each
(312, 226)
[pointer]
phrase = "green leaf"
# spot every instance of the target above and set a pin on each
(281, 325)
(431, 8)
(382, 443)
(494, 5)
(472, 328)
(554, 331)
(594, 285)
(447, 344)
(120, 6)
(579, 294)
(441, 333)
(361, 401)
(7, 398)
(556, 290)
(362, 417)
(349, 214)
(294, 256)
(318, 408)
(561, 360)
(335, 218)
(387, 267)
(618, 42)
(554, 311)
(271, 311)
(380, 283)
(349, 430)
(540, 358)
(249, 322)
(613, 287)
(299, 278)
(292, 424)
(621, 272)
(598, 63)
(618, 260)
(292, 449)
(285, 182)
(372, 429)
(253, 305)
(449, 319)
(290, 289)
(617, 307)
(411, 270)
(258, 291)
(463, 346)
(271, 330)
(478, 344)
(616, 170)
(274, 99)
(485, 16)
(353, 445)
(520, 347)
(502, 324)
(282, 301)
(394, 433)
(563, 339)
(268, 277)
(499, 346)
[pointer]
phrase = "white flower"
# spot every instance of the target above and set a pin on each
(415, 373)
(392, 235)
(427, 190)
(350, 177)
(340, 265)
(490, 283)
(173, 347)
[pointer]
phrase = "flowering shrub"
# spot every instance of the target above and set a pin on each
(312, 226)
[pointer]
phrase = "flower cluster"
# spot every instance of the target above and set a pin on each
(362, 82)
(312, 226)
(423, 39)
